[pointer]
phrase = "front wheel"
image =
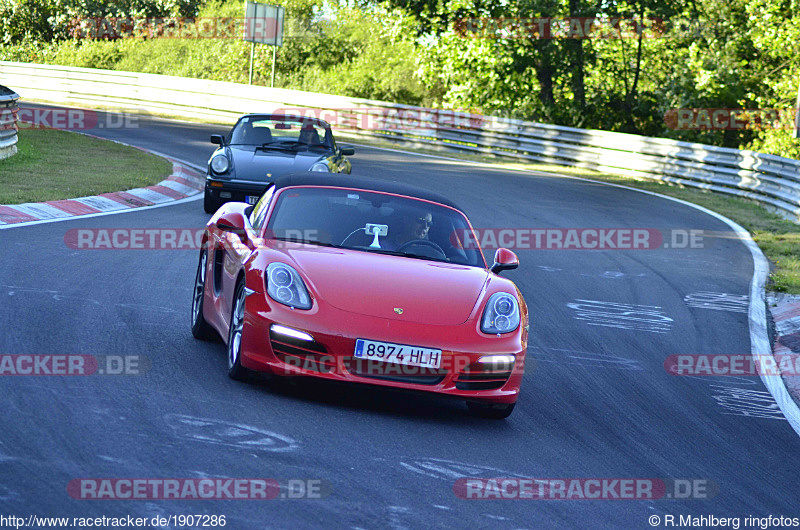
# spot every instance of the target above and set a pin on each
(495, 411)
(201, 329)
(235, 368)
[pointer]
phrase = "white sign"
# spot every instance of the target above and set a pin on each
(264, 24)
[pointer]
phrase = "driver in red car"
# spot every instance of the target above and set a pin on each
(414, 225)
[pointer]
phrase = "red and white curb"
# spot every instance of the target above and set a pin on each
(785, 309)
(182, 183)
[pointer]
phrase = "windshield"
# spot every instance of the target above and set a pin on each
(277, 132)
(373, 222)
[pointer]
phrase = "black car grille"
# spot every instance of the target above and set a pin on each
(394, 372)
(309, 355)
(476, 377)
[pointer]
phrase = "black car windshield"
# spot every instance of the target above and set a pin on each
(374, 222)
(281, 132)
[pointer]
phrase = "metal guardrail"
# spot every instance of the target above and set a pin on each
(8, 122)
(770, 180)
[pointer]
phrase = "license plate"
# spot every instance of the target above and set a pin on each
(398, 353)
(251, 199)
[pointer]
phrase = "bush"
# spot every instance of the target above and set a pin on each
(336, 55)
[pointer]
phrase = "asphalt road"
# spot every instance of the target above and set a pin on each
(599, 403)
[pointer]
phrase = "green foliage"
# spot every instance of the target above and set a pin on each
(337, 53)
(26, 20)
(44, 20)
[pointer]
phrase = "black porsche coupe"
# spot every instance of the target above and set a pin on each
(261, 148)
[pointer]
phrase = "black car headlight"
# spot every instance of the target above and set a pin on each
(501, 314)
(220, 164)
(285, 286)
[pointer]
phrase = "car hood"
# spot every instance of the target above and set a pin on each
(380, 285)
(250, 163)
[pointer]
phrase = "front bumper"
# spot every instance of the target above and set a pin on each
(233, 190)
(330, 354)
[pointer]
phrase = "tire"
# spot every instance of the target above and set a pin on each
(200, 328)
(210, 205)
(235, 369)
(495, 411)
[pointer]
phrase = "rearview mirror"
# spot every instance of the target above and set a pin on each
(504, 260)
(348, 151)
(217, 139)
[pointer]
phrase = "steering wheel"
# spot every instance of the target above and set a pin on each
(422, 242)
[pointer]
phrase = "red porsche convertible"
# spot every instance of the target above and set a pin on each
(362, 281)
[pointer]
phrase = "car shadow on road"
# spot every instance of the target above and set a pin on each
(382, 401)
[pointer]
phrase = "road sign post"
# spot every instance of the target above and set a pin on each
(264, 25)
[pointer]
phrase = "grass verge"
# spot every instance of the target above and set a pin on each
(778, 238)
(53, 164)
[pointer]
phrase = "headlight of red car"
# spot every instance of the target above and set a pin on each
(501, 314)
(285, 286)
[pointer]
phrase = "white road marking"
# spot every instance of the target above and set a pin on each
(735, 303)
(744, 402)
(622, 316)
(7, 495)
(111, 459)
(449, 470)
(208, 430)
(582, 358)
(395, 515)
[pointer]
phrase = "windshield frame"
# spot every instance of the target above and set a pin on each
(265, 227)
(327, 142)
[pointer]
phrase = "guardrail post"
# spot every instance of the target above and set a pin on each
(8, 122)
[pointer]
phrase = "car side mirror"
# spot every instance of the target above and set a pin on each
(231, 222)
(504, 260)
(217, 139)
(348, 151)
